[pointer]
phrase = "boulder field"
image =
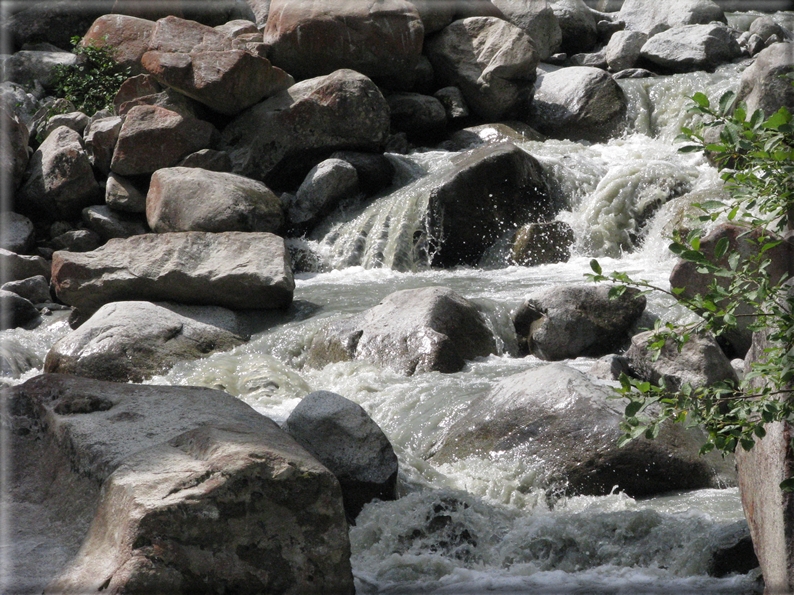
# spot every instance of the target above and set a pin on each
(161, 221)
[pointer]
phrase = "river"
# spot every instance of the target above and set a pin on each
(482, 524)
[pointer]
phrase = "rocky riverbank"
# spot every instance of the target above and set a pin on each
(171, 224)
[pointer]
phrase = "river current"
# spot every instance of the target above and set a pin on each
(482, 524)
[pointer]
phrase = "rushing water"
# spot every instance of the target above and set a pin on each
(482, 524)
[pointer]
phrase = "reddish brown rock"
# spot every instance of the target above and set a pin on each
(172, 34)
(283, 137)
(127, 37)
(378, 38)
(60, 179)
(100, 140)
(134, 87)
(154, 137)
(227, 81)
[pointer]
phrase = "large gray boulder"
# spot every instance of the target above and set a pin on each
(538, 19)
(691, 47)
(34, 289)
(652, 17)
(580, 102)
(193, 199)
(556, 414)
(14, 267)
(60, 181)
(340, 434)
(132, 341)
(164, 489)
(380, 39)
(153, 137)
(14, 138)
(492, 62)
(325, 186)
(234, 269)
(623, 49)
(225, 81)
(17, 233)
(764, 85)
(30, 68)
(578, 25)
(570, 321)
(16, 311)
(126, 36)
(282, 138)
(700, 362)
(410, 331)
(490, 190)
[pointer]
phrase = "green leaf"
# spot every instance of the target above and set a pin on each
(776, 120)
(701, 99)
(595, 266)
(721, 248)
(726, 102)
(787, 485)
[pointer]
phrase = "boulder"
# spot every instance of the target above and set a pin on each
(54, 22)
(765, 27)
(133, 341)
(18, 102)
(33, 69)
(154, 137)
(14, 267)
(16, 359)
(577, 320)
(100, 138)
(17, 233)
(175, 34)
(77, 240)
(764, 85)
(418, 115)
(324, 188)
(381, 39)
(490, 190)
(554, 413)
(491, 61)
(77, 121)
(280, 139)
(579, 102)
(653, 17)
(169, 99)
(340, 434)
(374, 170)
(193, 199)
(700, 362)
(34, 289)
(578, 25)
(767, 508)
(410, 331)
(233, 269)
(14, 139)
(60, 182)
(453, 101)
(225, 81)
(135, 87)
(685, 274)
(623, 49)
(107, 223)
(168, 489)
(126, 36)
(537, 18)
(15, 311)
(208, 159)
(542, 243)
(595, 59)
(122, 194)
(691, 47)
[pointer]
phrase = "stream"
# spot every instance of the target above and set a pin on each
(483, 524)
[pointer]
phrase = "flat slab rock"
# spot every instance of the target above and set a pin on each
(234, 269)
(125, 488)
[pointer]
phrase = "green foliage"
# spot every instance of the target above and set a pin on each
(93, 82)
(755, 156)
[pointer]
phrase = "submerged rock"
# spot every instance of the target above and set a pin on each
(167, 489)
(340, 434)
(234, 269)
(410, 331)
(542, 243)
(132, 341)
(556, 416)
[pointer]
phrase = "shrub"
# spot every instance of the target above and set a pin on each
(92, 83)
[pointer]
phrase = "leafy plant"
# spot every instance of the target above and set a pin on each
(92, 83)
(756, 158)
